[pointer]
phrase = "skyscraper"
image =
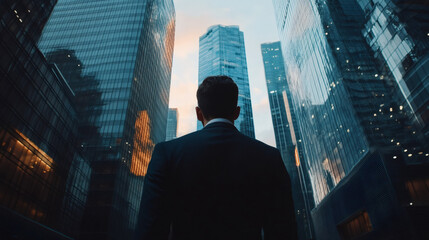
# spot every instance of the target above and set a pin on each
(222, 52)
(118, 56)
(287, 135)
(44, 177)
(398, 34)
(362, 148)
(173, 116)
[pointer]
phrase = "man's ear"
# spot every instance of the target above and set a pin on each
(199, 113)
(236, 113)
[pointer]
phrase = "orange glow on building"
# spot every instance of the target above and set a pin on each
(297, 162)
(43, 157)
(143, 145)
(169, 42)
(25, 157)
(28, 152)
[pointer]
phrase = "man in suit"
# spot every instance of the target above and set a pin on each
(216, 183)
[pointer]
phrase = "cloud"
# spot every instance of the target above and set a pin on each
(262, 105)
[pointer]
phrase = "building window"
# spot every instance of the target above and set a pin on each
(355, 227)
(418, 190)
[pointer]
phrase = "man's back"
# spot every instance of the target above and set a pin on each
(216, 184)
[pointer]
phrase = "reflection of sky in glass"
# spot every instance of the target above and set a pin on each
(394, 33)
(333, 140)
(387, 35)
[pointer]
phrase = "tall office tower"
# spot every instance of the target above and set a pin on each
(44, 178)
(288, 139)
(222, 52)
(398, 34)
(173, 116)
(117, 55)
(362, 149)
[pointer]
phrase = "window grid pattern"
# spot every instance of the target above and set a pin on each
(117, 55)
(39, 157)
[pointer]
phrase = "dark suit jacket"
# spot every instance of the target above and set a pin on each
(216, 183)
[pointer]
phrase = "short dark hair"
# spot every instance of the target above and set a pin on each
(217, 97)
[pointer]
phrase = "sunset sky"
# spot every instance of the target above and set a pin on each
(256, 20)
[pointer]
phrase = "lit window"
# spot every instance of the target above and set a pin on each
(418, 190)
(355, 227)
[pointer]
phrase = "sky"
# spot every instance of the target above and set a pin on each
(256, 20)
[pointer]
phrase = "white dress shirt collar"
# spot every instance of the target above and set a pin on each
(215, 120)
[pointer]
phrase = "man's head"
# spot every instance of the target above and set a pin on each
(217, 98)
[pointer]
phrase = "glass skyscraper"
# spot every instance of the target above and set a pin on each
(360, 141)
(398, 34)
(117, 55)
(222, 52)
(288, 139)
(172, 119)
(44, 177)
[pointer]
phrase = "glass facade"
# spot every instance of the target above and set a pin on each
(172, 120)
(117, 57)
(222, 52)
(44, 177)
(350, 110)
(398, 34)
(333, 140)
(288, 139)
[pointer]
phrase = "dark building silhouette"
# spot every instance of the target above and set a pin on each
(117, 57)
(288, 139)
(363, 140)
(44, 177)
